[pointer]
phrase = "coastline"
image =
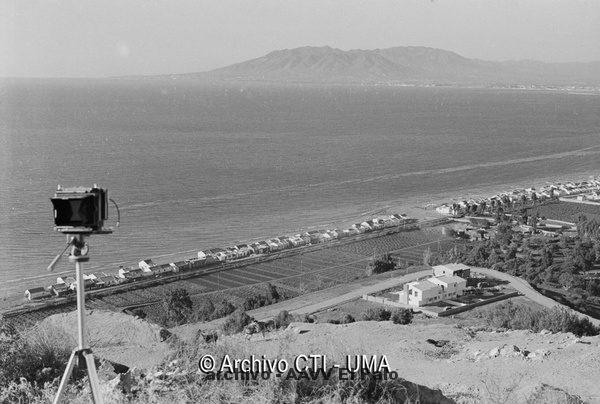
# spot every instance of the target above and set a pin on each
(421, 207)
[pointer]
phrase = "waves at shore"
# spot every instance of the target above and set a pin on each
(216, 171)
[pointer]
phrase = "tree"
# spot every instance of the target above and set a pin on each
(478, 255)
(583, 255)
(566, 280)
(592, 287)
(547, 257)
(272, 293)
(504, 233)
(402, 316)
(427, 256)
(178, 306)
(383, 264)
(493, 258)
(205, 310)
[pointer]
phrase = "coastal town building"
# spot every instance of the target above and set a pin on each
(431, 290)
(60, 289)
(36, 293)
(460, 270)
(146, 265)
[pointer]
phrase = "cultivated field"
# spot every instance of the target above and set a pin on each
(294, 275)
(566, 211)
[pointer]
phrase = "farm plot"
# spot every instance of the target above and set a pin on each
(271, 272)
(380, 245)
(566, 211)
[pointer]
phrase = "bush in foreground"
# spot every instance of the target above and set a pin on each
(39, 355)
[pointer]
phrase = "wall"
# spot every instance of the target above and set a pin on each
(473, 305)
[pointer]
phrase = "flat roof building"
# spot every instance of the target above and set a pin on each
(452, 270)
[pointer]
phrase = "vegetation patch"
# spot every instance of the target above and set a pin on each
(517, 317)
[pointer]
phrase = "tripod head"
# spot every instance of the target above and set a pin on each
(79, 250)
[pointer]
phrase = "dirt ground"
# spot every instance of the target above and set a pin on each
(116, 337)
(472, 367)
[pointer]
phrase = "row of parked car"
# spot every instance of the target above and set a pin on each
(147, 268)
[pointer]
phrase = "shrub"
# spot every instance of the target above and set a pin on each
(347, 319)
(236, 322)
(308, 318)
(402, 316)
(205, 310)
(382, 264)
(283, 319)
(177, 306)
(556, 319)
(272, 293)
(377, 314)
(223, 309)
(39, 355)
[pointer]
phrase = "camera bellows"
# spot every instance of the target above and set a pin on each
(80, 208)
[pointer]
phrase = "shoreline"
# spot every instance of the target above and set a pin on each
(421, 207)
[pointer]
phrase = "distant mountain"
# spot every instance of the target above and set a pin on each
(408, 64)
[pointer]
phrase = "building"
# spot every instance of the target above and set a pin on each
(146, 265)
(60, 289)
(452, 286)
(135, 274)
(161, 269)
(69, 281)
(432, 290)
(452, 270)
(36, 293)
(108, 280)
(419, 293)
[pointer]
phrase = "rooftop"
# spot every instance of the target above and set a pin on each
(424, 285)
(447, 279)
(453, 267)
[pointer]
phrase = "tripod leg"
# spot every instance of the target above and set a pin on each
(65, 378)
(93, 377)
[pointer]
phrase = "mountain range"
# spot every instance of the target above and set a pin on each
(407, 64)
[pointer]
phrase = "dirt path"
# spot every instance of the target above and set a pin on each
(523, 286)
(315, 301)
(324, 299)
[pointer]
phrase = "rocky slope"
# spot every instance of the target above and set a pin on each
(466, 365)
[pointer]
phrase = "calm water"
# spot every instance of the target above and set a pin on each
(195, 167)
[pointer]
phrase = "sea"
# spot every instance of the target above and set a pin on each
(195, 166)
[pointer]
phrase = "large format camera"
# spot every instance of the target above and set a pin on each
(80, 210)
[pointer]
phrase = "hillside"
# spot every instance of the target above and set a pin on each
(470, 365)
(408, 65)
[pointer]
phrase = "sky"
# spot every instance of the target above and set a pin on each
(82, 38)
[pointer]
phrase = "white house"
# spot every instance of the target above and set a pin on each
(145, 265)
(445, 210)
(419, 293)
(432, 290)
(36, 293)
(60, 289)
(452, 270)
(69, 281)
(452, 286)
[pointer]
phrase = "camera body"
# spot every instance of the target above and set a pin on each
(80, 210)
